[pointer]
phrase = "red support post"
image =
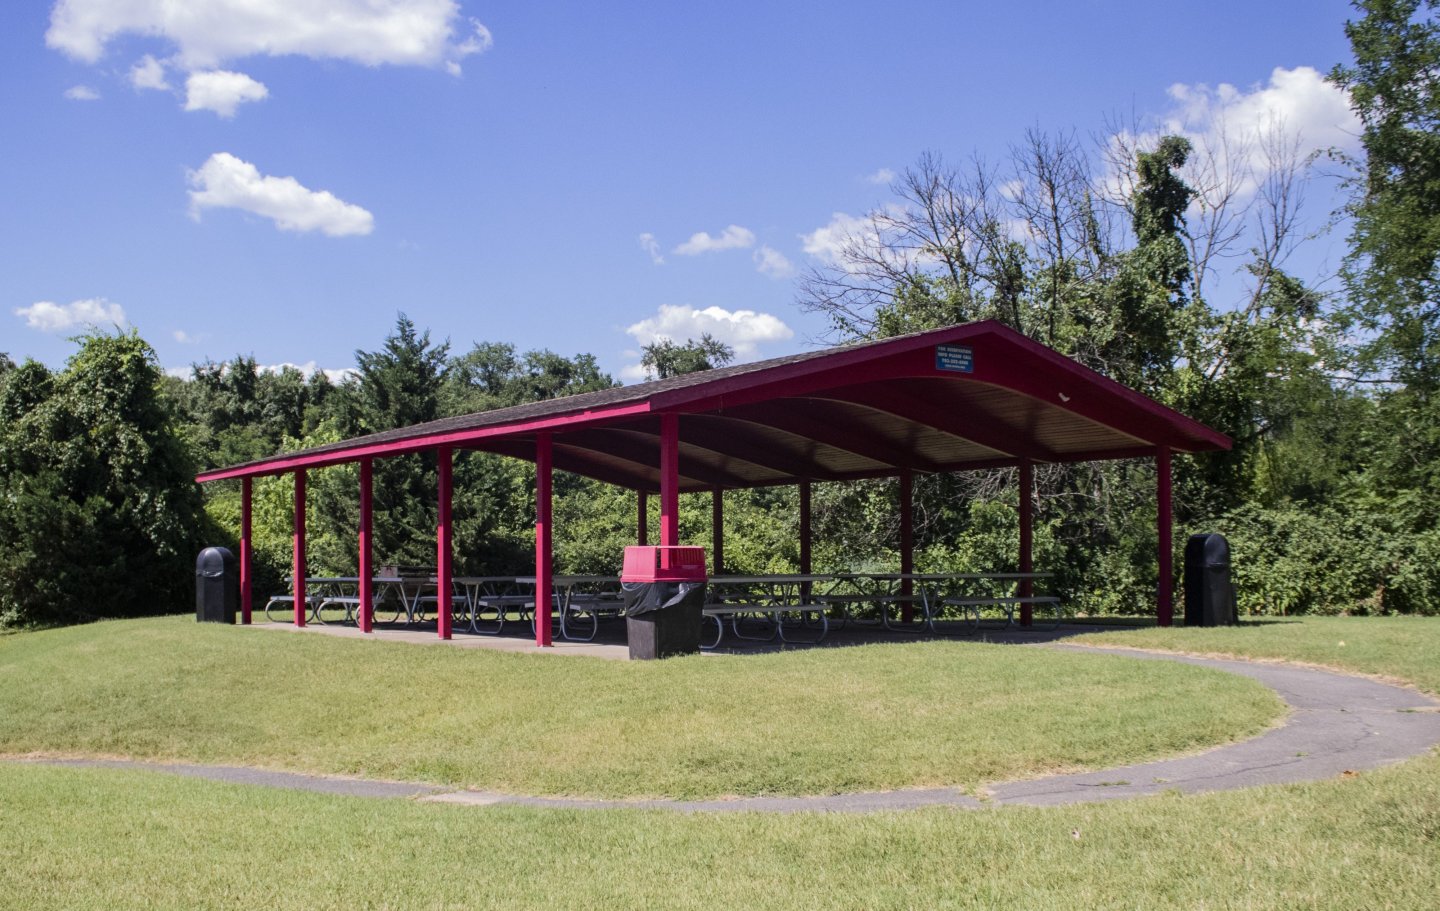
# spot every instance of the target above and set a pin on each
(544, 543)
(907, 541)
(805, 527)
(1165, 612)
(1027, 538)
(297, 588)
(717, 532)
(367, 569)
(805, 588)
(443, 575)
(245, 568)
(642, 518)
(669, 480)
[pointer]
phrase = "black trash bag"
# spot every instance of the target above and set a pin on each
(647, 597)
(663, 618)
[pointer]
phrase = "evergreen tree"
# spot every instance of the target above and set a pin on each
(399, 386)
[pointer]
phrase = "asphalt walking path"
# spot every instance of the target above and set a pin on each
(1337, 724)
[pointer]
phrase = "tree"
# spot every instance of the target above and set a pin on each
(492, 375)
(1110, 256)
(400, 383)
(663, 358)
(1394, 87)
(1393, 269)
(103, 515)
(399, 386)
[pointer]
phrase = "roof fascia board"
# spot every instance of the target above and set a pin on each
(811, 374)
(1143, 418)
(457, 438)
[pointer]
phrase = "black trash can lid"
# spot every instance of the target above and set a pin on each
(214, 561)
(1211, 549)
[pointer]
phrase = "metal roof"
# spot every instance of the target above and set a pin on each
(976, 395)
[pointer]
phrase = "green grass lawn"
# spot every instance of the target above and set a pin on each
(83, 839)
(91, 839)
(806, 722)
(1402, 648)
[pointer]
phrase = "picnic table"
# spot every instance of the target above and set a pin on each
(941, 591)
(783, 602)
(407, 594)
(582, 601)
(879, 590)
(932, 592)
(324, 591)
(768, 598)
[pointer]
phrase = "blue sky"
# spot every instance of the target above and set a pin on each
(280, 177)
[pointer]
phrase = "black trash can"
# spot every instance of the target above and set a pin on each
(217, 586)
(664, 592)
(1209, 594)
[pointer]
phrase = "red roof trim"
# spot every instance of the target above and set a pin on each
(417, 444)
(1142, 418)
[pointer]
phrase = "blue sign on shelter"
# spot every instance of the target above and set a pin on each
(955, 358)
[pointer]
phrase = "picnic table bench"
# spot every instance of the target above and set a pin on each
(973, 606)
(312, 603)
(736, 612)
(882, 601)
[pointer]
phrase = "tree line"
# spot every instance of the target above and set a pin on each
(1169, 263)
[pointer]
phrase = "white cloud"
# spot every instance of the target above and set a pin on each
(743, 330)
(1238, 132)
(309, 369)
(226, 182)
(634, 373)
(651, 246)
(828, 242)
(1301, 100)
(184, 337)
(884, 177)
(206, 35)
(732, 238)
(48, 316)
(771, 262)
(82, 93)
(221, 91)
(149, 73)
